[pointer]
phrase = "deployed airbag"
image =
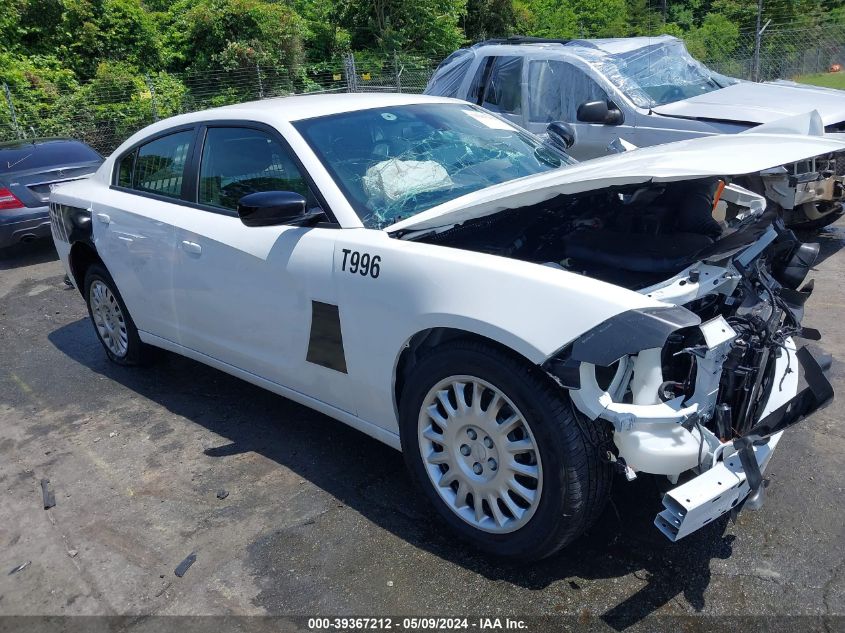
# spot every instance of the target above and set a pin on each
(392, 180)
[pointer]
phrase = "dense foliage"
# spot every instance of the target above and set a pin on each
(113, 61)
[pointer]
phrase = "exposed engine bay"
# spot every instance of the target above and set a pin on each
(704, 387)
(632, 237)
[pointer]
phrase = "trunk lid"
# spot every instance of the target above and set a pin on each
(33, 187)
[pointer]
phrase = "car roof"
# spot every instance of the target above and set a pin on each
(586, 49)
(281, 110)
(298, 107)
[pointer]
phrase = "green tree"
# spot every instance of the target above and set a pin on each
(489, 18)
(327, 37)
(235, 33)
(428, 27)
(715, 40)
(577, 18)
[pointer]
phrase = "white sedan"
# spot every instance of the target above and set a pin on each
(520, 326)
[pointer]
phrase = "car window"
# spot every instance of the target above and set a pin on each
(160, 165)
(661, 73)
(556, 90)
(476, 88)
(449, 76)
(394, 162)
(24, 155)
(124, 169)
(239, 161)
(504, 88)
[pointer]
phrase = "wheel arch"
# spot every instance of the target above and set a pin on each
(81, 256)
(432, 337)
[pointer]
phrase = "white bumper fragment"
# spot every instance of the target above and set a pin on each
(708, 496)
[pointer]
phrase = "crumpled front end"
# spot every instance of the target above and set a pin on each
(700, 391)
(808, 191)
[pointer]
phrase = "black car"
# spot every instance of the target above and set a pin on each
(28, 170)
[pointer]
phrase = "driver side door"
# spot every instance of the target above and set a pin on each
(555, 91)
(246, 296)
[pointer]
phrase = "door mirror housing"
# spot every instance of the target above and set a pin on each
(270, 208)
(604, 112)
(561, 135)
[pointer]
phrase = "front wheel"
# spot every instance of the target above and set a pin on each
(497, 449)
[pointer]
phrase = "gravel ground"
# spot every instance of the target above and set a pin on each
(321, 520)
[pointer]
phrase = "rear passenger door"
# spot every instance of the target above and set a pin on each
(133, 227)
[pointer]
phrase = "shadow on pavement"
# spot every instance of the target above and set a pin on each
(370, 478)
(19, 255)
(831, 239)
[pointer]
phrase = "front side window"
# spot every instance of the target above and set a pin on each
(504, 88)
(239, 161)
(557, 88)
(159, 166)
(395, 162)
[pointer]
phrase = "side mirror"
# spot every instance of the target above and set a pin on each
(269, 208)
(604, 112)
(561, 135)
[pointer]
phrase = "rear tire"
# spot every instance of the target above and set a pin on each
(475, 419)
(112, 322)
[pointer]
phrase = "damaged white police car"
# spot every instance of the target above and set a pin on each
(521, 326)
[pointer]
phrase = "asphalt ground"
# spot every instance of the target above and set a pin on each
(321, 520)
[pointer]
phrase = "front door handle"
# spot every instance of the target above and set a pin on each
(104, 218)
(191, 247)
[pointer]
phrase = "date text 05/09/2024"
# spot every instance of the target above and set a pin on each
(416, 624)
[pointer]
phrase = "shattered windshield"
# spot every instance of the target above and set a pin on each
(662, 73)
(395, 162)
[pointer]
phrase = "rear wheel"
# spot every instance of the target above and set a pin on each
(112, 323)
(498, 451)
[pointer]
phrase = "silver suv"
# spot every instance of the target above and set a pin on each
(648, 91)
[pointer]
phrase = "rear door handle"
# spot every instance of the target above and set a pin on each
(191, 247)
(104, 218)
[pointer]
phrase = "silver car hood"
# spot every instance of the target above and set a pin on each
(754, 103)
(785, 142)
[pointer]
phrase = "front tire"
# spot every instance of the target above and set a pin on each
(497, 449)
(112, 322)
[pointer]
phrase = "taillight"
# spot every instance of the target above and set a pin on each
(8, 200)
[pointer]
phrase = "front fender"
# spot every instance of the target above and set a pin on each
(529, 308)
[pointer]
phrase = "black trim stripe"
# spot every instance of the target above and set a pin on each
(325, 345)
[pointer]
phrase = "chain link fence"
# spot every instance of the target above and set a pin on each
(106, 110)
(782, 53)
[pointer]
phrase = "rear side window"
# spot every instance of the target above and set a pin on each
(25, 156)
(124, 170)
(239, 161)
(449, 76)
(557, 88)
(157, 167)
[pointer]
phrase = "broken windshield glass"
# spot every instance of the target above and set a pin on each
(661, 73)
(392, 163)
